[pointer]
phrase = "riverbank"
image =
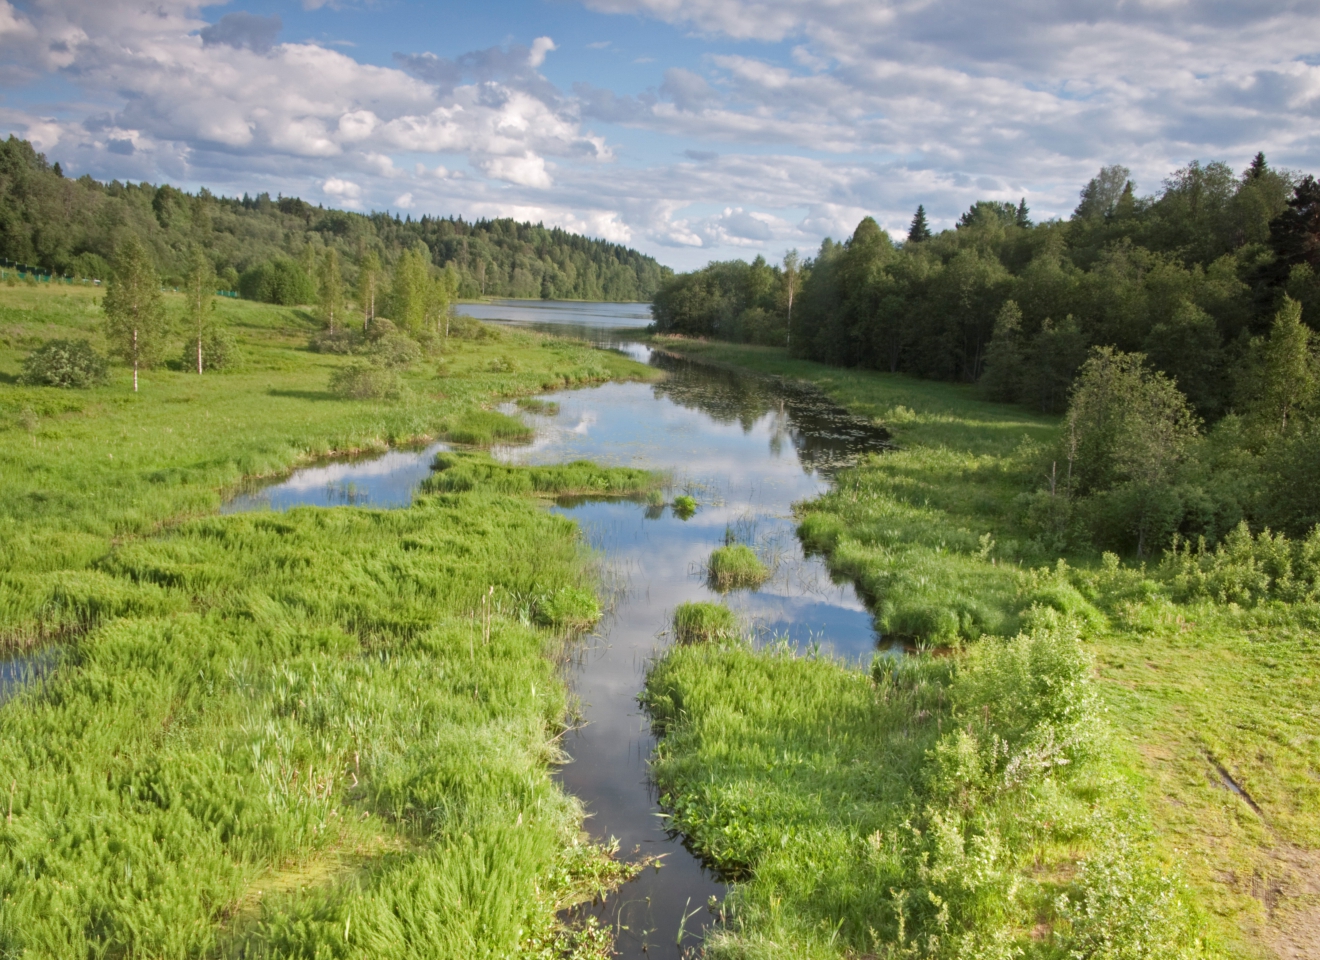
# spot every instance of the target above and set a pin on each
(1209, 773)
(319, 732)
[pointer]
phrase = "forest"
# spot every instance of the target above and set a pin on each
(73, 227)
(1176, 331)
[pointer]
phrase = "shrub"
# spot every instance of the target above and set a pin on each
(1247, 570)
(704, 622)
(64, 363)
(395, 352)
(362, 381)
(736, 567)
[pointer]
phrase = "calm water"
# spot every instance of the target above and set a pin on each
(746, 448)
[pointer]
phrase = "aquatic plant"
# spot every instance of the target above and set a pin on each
(581, 478)
(702, 622)
(685, 506)
(482, 428)
(736, 567)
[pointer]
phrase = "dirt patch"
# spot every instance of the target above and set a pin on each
(1293, 901)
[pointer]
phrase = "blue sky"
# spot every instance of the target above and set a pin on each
(691, 129)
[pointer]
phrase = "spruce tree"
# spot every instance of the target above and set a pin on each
(1258, 167)
(920, 229)
(1023, 216)
(134, 308)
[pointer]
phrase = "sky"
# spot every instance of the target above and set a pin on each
(692, 130)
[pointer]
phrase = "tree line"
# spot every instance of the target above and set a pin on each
(1192, 310)
(269, 249)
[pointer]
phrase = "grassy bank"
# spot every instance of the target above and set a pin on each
(319, 733)
(82, 469)
(1210, 772)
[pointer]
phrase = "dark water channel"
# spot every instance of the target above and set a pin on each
(746, 448)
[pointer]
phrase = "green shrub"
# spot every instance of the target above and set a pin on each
(1246, 570)
(481, 428)
(735, 567)
(343, 341)
(362, 381)
(703, 622)
(395, 352)
(280, 281)
(64, 363)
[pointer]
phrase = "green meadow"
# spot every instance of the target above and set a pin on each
(318, 733)
(1155, 795)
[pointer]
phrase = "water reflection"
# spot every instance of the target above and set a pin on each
(18, 672)
(747, 448)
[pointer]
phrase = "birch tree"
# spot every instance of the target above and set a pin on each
(199, 288)
(134, 308)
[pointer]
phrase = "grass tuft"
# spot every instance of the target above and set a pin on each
(482, 428)
(702, 622)
(736, 567)
(581, 478)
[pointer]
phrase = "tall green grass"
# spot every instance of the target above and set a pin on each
(581, 478)
(323, 733)
(1205, 663)
(933, 808)
(82, 469)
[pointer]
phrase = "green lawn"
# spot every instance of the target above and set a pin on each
(1196, 697)
(319, 733)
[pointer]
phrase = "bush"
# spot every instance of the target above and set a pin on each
(736, 567)
(1247, 570)
(395, 352)
(64, 363)
(704, 622)
(362, 381)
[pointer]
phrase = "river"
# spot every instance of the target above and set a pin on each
(746, 448)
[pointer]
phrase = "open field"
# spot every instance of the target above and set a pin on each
(317, 733)
(1212, 742)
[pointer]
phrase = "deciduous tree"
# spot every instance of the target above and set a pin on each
(134, 308)
(199, 289)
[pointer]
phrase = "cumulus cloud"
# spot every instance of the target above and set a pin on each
(243, 29)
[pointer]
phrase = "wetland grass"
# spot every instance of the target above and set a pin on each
(735, 567)
(931, 534)
(701, 622)
(581, 478)
(326, 732)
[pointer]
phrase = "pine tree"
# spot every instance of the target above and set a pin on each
(1023, 217)
(199, 287)
(134, 308)
(920, 229)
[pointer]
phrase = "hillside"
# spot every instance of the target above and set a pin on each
(71, 227)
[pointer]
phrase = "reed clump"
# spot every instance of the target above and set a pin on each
(581, 478)
(483, 428)
(701, 622)
(736, 567)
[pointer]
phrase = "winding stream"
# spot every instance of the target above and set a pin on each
(746, 448)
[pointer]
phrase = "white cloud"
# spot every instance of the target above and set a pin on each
(405, 201)
(345, 190)
(540, 47)
(528, 171)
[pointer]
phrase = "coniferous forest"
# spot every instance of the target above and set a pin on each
(73, 227)
(1175, 330)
